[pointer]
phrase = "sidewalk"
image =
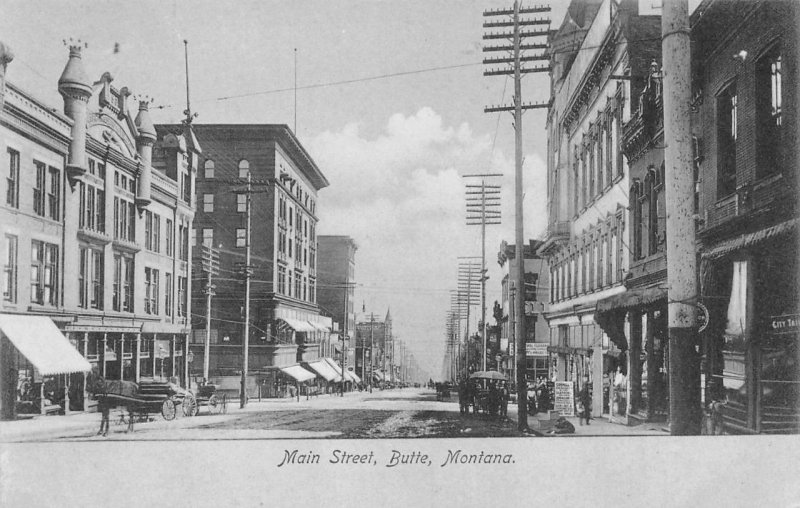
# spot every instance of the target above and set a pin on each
(603, 427)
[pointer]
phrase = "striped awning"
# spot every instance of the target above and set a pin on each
(39, 340)
(325, 371)
(298, 325)
(749, 239)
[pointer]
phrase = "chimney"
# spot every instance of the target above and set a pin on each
(76, 88)
(5, 57)
(144, 145)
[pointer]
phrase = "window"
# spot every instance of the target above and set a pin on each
(183, 232)
(583, 179)
(657, 219)
(610, 148)
(156, 233)
(169, 237)
(90, 279)
(93, 208)
(769, 114)
(54, 194)
(44, 273)
(208, 202)
(297, 283)
(282, 280)
(123, 283)
(312, 290)
(168, 294)
(726, 141)
(12, 180)
(10, 270)
(150, 290)
(241, 202)
(208, 168)
(186, 186)
(208, 237)
(244, 168)
(182, 287)
(241, 237)
(39, 189)
(124, 220)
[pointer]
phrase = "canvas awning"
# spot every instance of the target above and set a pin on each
(610, 312)
(39, 340)
(319, 327)
(750, 239)
(298, 372)
(322, 368)
(298, 325)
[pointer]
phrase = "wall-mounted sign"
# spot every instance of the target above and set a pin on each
(565, 398)
(787, 323)
(535, 349)
(702, 317)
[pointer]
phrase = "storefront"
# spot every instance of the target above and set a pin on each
(636, 323)
(41, 371)
(750, 286)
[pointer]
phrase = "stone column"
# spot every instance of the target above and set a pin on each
(103, 356)
(85, 355)
(121, 356)
(137, 357)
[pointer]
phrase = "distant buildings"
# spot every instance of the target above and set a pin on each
(95, 240)
(336, 269)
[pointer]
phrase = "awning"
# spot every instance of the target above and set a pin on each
(352, 376)
(377, 375)
(298, 325)
(318, 327)
(610, 312)
(750, 239)
(348, 375)
(325, 370)
(298, 372)
(42, 343)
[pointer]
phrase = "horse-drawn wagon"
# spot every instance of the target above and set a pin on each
(207, 396)
(139, 399)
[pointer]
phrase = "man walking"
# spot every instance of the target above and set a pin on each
(585, 398)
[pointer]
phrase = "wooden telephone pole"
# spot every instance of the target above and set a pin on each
(514, 67)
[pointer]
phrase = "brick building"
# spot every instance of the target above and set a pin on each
(286, 326)
(744, 61)
(336, 265)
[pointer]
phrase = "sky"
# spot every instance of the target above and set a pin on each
(389, 104)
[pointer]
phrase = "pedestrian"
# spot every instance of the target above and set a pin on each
(585, 400)
(504, 396)
(462, 397)
(494, 399)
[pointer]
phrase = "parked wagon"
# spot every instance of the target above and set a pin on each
(207, 396)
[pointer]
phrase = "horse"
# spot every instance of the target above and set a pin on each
(112, 394)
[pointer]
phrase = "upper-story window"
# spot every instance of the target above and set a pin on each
(208, 237)
(10, 269)
(769, 114)
(727, 125)
(241, 203)
(244, 168)
(39, 188)
(92, 206)
(124, 220)
(47, 191)
(169, 240)
(241, 237)
(208, 169)
(152, 231)
(657, 227)
(12, 179)
(44, 273)
(208, 202)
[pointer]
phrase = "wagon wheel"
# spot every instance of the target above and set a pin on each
(214, 404)
(189, 405)
(168, 409)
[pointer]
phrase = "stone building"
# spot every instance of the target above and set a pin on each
(95, 239)
(336, 265)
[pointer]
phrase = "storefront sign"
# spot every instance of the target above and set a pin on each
(788, 323)
(535, 349)
(565, 398)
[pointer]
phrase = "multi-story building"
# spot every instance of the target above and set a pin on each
(374, 342)
(536, 273)
(596, 58)
(101, 234)
(744, 57)
(336, 265)
(285, 322)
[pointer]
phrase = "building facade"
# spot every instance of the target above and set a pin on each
(375, 343)
(537, 274)
(336, 267)
(597, 57)
(92, 233)
(286, 326)
(744, 61)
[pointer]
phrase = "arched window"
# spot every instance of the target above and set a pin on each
(244, 168)
(208, 168)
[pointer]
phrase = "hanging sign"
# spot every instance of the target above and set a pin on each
(565, 398)
(535, 349)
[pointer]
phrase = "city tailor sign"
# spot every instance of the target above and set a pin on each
(788, 323)
(535, 349)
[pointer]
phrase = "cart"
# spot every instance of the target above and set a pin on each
(207, 396)
(151, 398)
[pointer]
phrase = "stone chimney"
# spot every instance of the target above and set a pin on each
(5, 57)
(144, 145)
(76, 88)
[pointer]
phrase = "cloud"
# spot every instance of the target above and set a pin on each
(401, 196)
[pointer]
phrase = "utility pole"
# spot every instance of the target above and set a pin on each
(468, 269)
(516, 60)
(483, 208)
(248, 271)
(210, 265)
(371, 345)
(684, 367)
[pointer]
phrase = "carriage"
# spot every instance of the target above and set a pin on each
(151, 398)
(206, 396)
